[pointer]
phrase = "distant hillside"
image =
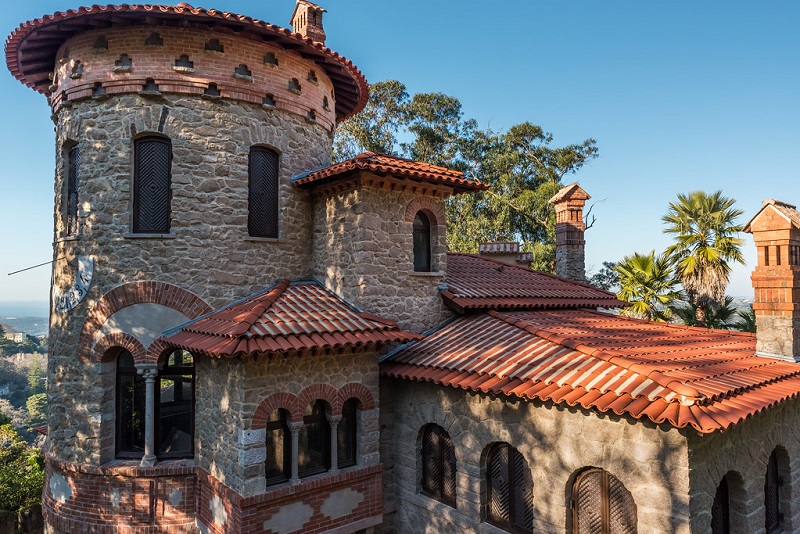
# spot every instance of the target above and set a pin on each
(32, 326)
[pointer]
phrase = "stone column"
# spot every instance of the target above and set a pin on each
(149, 372)
(333, 421)
(294, 429)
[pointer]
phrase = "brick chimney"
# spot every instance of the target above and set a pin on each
(307, 20)
(570, 244)
(506, 251)
(776, 280)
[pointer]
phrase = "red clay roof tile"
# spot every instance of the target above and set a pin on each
(385, 164)
(285, 318)
(677, 375)
(475, 282)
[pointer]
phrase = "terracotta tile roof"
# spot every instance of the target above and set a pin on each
(285, 318)
(677, 375)
(787, 210)
(384, 164)
(572, 191)
(476, 282)
(31, 48)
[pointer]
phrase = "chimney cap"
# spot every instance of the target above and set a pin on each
(784, 209)
(570, 192)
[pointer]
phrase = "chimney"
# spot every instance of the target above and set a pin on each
(307, 20)
(570, 244)
(507, 252)
(776, 280)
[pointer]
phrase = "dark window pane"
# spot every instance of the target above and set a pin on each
(422, 243)
(720, 509)
(262, 218)
(130, 408)
(774, 517)
(346, 435)
(277, 467)
(313, 454)
(151, 191)
(175, 415)
(72, 190)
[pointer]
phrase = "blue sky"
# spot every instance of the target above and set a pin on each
(679, 95)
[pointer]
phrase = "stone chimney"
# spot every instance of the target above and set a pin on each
(776, 280)
(570, 244)
(507, 252)
(307, 20)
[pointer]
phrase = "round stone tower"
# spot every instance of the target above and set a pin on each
(177, 132)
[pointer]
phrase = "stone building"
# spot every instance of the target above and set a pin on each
(246, 338)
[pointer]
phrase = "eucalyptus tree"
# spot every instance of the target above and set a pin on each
(647, 281)
(706, 244)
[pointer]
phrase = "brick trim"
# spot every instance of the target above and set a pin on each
(358, 391)
(144, 292)
(325, 392)
(432, 208)
(101, 352)
(287, 401)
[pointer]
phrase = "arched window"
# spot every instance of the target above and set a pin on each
(175, 406)
(173, 402)
(438, 465)
(346, 434)
(262, 199)
(602, 504)
(721, 509)
(313, 451)
(130, 408)
(422, 243)
(278, 466)
(772, 495)
(509, 489)
(152, 189)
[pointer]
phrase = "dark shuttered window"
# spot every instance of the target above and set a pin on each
(438, 465)
(151, 185)
(73, 162)
(262, 201)
(422, 243)
(602, 504)
(772, 495)
(721, 509)
(510, 490)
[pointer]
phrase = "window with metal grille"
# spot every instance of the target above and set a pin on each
(772, 495)
(721, 509)
(262, 200)
(422, 243)
(509, 490)
(73, 164)
(602, 505)
(152, 193)
(278, 466)
(438, 465)
(313, 451)
(347, 434)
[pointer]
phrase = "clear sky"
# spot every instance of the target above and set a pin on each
(679, 95)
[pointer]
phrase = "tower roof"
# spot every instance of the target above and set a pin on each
(31, 49)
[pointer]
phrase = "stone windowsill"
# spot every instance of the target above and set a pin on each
(432, 274)
(131, 235)
(264, 239)
(68, 238)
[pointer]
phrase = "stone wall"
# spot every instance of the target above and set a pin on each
(652, 462)
(363, 251)
(744, 451)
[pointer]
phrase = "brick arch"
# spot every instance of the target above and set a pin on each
(101, 352)
(325, 392)
(287, 401)
(156, 350)
(358, 391)
(146, 292)
(431, 207)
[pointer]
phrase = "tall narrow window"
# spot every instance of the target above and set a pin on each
(422, 243)
(152, 185)
(346, 434)
(510, 490)
(175, 406)
(772, 495)
(438, 465)
(73, 164)
(130, 408)
(313, 451)
(602, 504)
(278, 466)
(721, 509)
(262, 200)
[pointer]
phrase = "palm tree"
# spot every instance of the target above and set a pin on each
(747, 320)
(648, 283)
(723, 317)
(705, 230)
